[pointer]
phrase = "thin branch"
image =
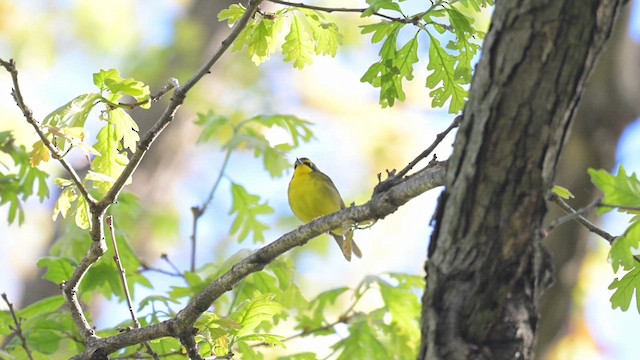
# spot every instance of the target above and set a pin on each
(123, 277)
(456, 123)
(125, 285)
(172, 83)
(18, 328)
(147, 267)
(198, 211)
(393, 178)
(345, 10)
(10, 66)
(165, 257)
(577, 215)
(380, 206)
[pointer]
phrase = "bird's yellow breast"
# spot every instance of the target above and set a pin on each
(312, 194)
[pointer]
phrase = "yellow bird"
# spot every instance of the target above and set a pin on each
(312, 194)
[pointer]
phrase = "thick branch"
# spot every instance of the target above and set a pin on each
(381, 205)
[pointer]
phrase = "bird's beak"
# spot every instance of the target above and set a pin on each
(298, 162)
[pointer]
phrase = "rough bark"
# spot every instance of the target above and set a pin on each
(486, 268)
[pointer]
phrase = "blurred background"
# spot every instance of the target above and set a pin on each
(58, 45)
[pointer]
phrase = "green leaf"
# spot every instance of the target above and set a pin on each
(59, 269)
(403, 303)
(83, 215)
(446, 86)
(625, 289)
(195, 284)
(18, 180)
(623, 248)
(563, 192)
(274, 156)
(464, 31)
(64, 202)
(620, 190)
(212, 125)
(385, 74)
(326, 35)
(253, 312)
(74, 113)
(248, 352)
(298, 46)
(114, 87)
(49, 304)
(380, 30)
(362, 343)
(232, 14)
(111, 162)
(125, 128)
(247, 208)
(6, 323)
(258, 37)
(377, 5)
(300, 356)
(406, 57)
(45, 341)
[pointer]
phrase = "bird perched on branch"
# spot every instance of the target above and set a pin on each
(312, 194)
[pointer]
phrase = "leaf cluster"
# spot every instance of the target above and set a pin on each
(622, 192)
(310, 33)
(18, 178)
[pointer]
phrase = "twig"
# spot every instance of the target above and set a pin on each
(577, 215)
(147, 267)
(18, 329)
(165, 257)
(123, 276)
(394, 178)
(172, 83)
(347, 10)
(456, 123)
(198, 211)
(10, 66)
(125, 286)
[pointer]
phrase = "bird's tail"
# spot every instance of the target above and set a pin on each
(347, 245)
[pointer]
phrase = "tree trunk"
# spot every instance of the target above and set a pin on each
(486, 267)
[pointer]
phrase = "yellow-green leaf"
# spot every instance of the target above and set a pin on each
(563, 192)
(63, 204)
(39, 154)
(83, 216)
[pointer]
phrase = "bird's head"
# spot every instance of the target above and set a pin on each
(304, 165)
